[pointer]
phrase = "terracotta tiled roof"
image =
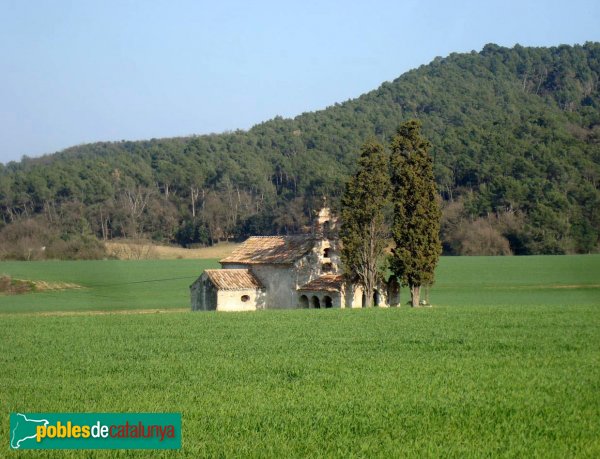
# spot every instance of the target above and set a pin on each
(271, 250)
(325, 283)
(233, 279)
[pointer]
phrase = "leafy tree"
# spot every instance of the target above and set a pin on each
(192, 232)
(364, 232)
(416, 225)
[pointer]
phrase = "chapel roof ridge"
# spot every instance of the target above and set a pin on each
(233, 279)
(271, 249)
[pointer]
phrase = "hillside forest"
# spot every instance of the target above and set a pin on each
(515, 136)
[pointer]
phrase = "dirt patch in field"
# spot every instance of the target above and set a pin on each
(10, 286)
(43, 286)
(128, 250)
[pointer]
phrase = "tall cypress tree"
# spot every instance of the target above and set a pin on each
(364, 233)
(416, 226)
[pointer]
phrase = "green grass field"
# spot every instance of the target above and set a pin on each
(507, 364)
(115, 284)
(108, 284)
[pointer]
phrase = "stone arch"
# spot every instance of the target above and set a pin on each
(303, 302)
(315, 302)
(328, 301)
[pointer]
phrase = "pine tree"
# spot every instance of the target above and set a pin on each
(416, 225)
(364, 233)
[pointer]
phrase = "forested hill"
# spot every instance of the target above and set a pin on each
(516, 144)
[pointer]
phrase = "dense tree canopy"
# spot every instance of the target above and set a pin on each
(416, 226)
(516, 135)
(364, 232)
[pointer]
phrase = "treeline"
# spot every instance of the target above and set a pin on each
(516, 147)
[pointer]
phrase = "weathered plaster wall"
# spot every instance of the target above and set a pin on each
(388, 296)
(278, 280)
(352, 296)
(235, 266)
(203, 294)
(312, 265)
(334, 254)
(206, 297)
(279, 284)
(231, 300)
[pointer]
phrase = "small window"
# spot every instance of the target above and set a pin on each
(245, 298)
(326, 252)
(327, 267)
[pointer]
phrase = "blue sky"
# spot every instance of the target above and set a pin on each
(80, 71)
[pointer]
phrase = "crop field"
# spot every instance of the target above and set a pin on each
(106, 285)
(109, 285)
(506, 363)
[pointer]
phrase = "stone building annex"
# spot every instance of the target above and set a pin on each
(285, 272)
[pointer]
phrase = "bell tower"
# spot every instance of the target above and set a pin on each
(325, 224)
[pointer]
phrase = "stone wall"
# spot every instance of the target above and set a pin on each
(352, 295)
(315, 263)
(389, 295)
(203, 294)
(279, 284)
(205, 297)
(236, 266)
